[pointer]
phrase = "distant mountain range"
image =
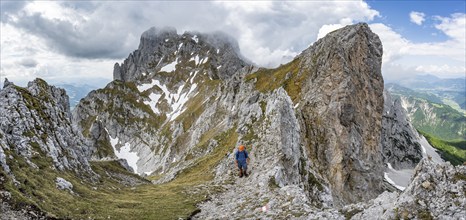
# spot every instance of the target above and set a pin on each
(436, 116)
(431, 113)
(77, 91)
(447, 91)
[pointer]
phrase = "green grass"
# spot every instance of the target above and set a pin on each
(453, 151)
(286, 76)
(107, 197)
(454, 105)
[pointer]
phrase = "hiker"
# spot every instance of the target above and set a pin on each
(242, 160)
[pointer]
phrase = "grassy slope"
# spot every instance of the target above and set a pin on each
(286, 76)
(448, 123)
(453, 151)
(107, 198)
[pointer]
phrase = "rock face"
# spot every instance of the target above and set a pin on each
(35, 122)
(63, 184)
(399, 140)
(436, 192)
(341, 107)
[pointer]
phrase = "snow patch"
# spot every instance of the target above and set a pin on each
(169, 67)
(154, 98)
(385, 175)
(175, 100)
(218, 67)
(195, 59)
(195, 38)
(145, 87)
(179, 101)
(125, 153)
(218, 50)
(204, 60)
(194, 76)
(390, 166)
(179, 46)
(166, 40)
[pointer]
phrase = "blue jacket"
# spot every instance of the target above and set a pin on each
(241, 155)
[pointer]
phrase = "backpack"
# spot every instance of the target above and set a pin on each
(244, 152)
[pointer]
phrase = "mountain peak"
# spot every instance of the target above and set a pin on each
(160, 47)
(155, 32)
(345, 40)
(7, 83)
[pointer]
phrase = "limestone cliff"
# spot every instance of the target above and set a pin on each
(399, 140)
(35, 122)
(341, 108)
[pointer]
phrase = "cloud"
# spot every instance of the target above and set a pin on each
(28, 62)
(10, 7)
(417, 17)
(443, 69)
(110, 30)
(327, 28)
(447, 58)
(453, 26)
(73, 39)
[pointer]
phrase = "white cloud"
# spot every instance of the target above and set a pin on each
(25, 57)
(72, 39)
(295, 23)
(454, 26)
(417, 17)
(66, 36)
(443, 69)
(447, 58)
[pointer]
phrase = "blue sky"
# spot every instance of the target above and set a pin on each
(396, 15)
(80, 41)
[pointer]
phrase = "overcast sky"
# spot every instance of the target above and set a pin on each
(79, 41)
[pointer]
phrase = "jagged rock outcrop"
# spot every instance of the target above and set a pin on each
(399, 140)
(35, 122)
(438, 191)
(341, 110)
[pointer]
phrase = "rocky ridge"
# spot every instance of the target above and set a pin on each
(314, 128)
(37, 120)
(437, 191)
(241, 101)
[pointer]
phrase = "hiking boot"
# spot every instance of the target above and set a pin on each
(240, 173)
(246, 173)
